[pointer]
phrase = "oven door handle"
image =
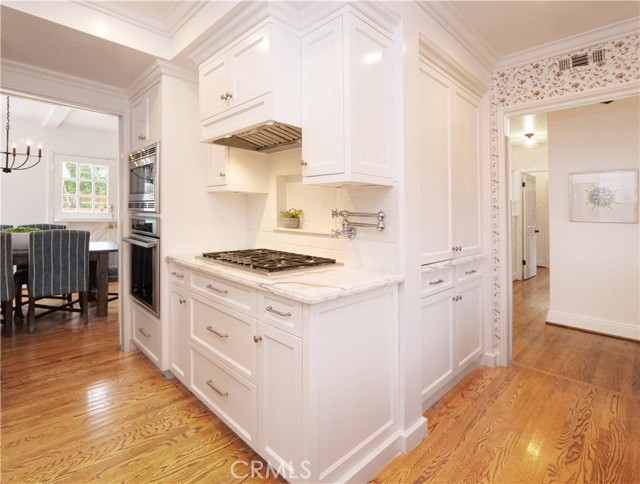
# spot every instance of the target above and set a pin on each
(140, 243)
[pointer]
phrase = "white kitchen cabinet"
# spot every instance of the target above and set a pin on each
(237, 171)
(450, 168)
(277, 370)
(253, 80)
(147, 335)
(347, 103)
(451, 325)
(180, 308)
(280, 389)
(146, 118)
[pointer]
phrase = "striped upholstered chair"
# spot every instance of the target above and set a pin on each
(58, 265)
(7, 289)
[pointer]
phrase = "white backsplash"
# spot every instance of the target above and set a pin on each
(371, 249)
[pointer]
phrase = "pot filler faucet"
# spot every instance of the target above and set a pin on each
(349, 228)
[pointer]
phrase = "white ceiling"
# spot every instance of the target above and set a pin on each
(506, 28)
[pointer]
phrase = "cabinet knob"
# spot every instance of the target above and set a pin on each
(228, 95)
(222, 175)
(182, 300)
(303, 163)
(223, 97)
(257, 338)
(142, 137)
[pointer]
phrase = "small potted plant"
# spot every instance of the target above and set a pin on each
(291, 218)
(20, 236)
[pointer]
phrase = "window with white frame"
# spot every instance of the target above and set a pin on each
(83, 187)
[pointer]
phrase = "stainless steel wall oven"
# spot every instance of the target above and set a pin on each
(144, 269)
(144, 180)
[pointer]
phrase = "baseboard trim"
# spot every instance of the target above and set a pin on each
(413, 435)
(430, 401)
(489, 359)
(609, 328)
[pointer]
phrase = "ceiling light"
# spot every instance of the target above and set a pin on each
(10, 166)
(529, 142)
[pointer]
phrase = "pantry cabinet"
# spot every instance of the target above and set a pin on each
(234, 170)
(146, 118)
(451, 324)
(253, 80)
(450, 167)
(274, 369)
(347, 103)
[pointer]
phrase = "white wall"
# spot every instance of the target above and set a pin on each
(26, 194)
(595, 279)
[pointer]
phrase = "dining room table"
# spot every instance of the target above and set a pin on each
(99, 252)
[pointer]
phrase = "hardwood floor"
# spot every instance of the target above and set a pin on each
(75, 409)
(566, 410)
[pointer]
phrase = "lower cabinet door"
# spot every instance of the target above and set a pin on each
(468, 322)
(228, 395)
(437, 341)
(179, 304)
(280, 401)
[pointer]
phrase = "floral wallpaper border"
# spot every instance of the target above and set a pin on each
(543, 80)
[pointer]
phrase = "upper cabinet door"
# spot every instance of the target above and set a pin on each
(249, 73)
(466, 173)
(369, 102)
(323, 100)
(436, 221)
(214, 84)
(146, 118)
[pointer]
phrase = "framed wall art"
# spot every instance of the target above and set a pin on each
(604, 196)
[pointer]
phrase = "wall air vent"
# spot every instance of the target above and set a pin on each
(581, 60)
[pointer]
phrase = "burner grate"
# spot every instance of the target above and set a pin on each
(268, 260)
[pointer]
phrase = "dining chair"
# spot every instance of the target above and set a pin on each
(22, 273)
(58, 266)
(3, 227)
(7, 288)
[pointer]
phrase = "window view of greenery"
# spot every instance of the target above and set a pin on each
(85, 187)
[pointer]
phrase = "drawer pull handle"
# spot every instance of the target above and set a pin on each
(219, 291)
(217, 333)
(222, 394)
(143, 333)
(472, 271)
(175, 274)
(435, 283)
(279, 313)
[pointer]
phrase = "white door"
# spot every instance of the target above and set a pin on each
(529, 262)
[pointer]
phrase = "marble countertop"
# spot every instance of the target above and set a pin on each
(436, 266)
(312, 287)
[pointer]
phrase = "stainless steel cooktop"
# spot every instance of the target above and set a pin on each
(268, 261)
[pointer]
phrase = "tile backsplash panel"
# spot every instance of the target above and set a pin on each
(371, 249)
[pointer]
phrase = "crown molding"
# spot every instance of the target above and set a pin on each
(153, 73)
(568, 44)
(38, 83)
(434, 55)
(180, 13)
(446, 15)
(128, 13)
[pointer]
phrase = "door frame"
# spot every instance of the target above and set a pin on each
(501, 243)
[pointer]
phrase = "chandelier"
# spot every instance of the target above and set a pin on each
(11, 162)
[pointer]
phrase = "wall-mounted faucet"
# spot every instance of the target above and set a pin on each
(349, 228)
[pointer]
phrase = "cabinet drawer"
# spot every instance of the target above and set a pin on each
(436, 281)
(227, 336)
(468, 272)
(280, 312)
(230, 396)
(146, 334)
(234, 296)
(177, 274)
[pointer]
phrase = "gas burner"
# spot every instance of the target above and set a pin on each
(267, 260)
